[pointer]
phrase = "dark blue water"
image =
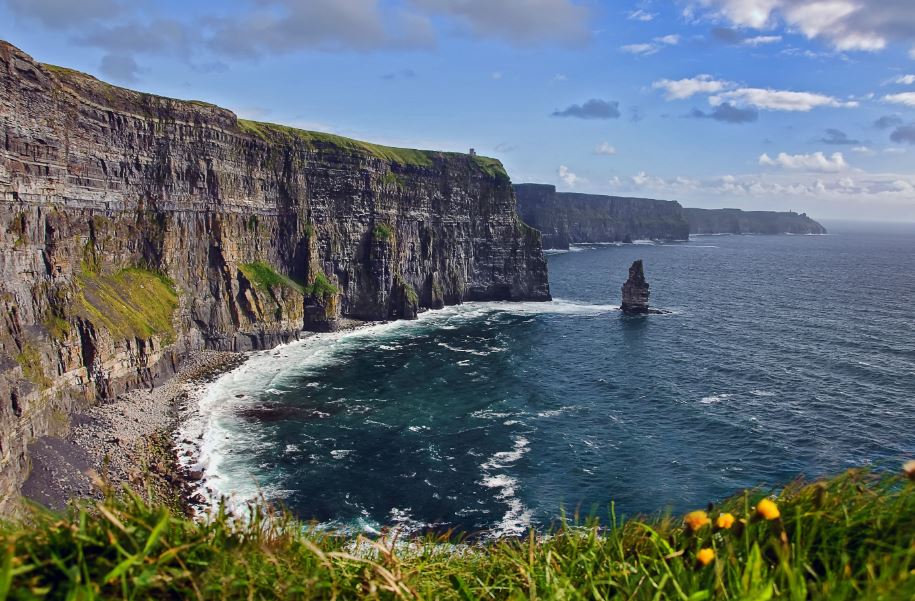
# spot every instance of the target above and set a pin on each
(783, 356)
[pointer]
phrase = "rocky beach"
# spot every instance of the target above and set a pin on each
(127, 441)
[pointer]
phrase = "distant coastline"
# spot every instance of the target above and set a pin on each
(566, 218)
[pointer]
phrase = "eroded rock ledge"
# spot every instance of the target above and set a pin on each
(136, 228)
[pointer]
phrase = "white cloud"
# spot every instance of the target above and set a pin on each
(497, 75)
(807, 162)
(778, 100)
(859, 192)
(604, 148)
(761, 40)
(685, 88)
(640, 48)
(866, 150)
(641, 15)
(912, 53)
(652, 47)
(906, 98)
(570, 179)
(905, 80)
(846, 24)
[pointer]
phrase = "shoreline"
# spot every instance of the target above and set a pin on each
(132, 440)
(126, 441)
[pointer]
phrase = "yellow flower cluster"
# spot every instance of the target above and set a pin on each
(725, 521)
(695, 520)
(768, 510)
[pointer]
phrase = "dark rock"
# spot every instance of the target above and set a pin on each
(635, 291)
(627, 239)
(194, 475)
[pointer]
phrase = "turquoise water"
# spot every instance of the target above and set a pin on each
(782, 356)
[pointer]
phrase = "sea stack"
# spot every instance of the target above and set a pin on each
(635, 291)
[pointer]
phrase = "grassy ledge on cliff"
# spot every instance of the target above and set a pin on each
(850, 537)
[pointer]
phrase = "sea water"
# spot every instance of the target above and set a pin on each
(781, 356)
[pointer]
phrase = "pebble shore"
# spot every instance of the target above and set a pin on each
(125, 441)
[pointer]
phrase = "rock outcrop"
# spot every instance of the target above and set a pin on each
(566, 218)
(137, 228)
(736, 221)
(635, 291)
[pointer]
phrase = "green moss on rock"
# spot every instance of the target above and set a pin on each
(383, 232)
(263, 276)
(132, 303)
(321, 288)
(29, 360)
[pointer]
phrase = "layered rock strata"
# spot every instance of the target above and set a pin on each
(136, 228)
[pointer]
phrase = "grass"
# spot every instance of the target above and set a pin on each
(270, 132)
(30, 361)
(851, 537)
(132, 303)
(273, 131)
(263, 276)
(321, 288)
(383, 232)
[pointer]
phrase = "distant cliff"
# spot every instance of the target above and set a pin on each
(566, 218)
(136, 228)
(735, 221)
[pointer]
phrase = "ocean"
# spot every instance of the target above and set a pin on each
(782, 356)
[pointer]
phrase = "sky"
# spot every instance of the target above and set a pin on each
(805, 105)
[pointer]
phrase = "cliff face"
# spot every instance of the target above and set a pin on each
(736, 221)
(566, 218)
(136, 228)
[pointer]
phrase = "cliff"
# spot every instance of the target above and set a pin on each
(137, 228)
(566, 218)
(736, 221)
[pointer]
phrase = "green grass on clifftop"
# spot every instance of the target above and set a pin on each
(852, 537)
(403, 156)
(132, 303)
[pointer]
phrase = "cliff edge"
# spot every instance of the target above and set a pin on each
(137, 228)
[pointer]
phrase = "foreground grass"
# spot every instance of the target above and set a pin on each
(851, 537)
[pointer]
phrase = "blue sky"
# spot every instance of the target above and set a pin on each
(762, 104)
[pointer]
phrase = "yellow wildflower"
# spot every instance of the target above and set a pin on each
(696, 520)
(725, 521)
(706, 556)
(768, 510)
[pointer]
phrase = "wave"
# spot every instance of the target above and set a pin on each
(715, 398)
(517, 518)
